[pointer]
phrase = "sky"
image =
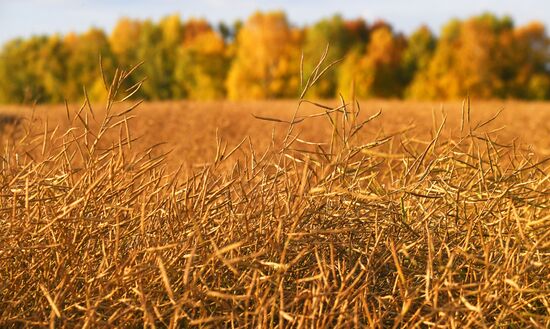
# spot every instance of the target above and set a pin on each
(28, 17)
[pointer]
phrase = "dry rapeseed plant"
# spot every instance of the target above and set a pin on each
(444, 233)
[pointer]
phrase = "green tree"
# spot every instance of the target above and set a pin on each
(18, 81)
(52, 69)
(419, 52)
(82, 64)
(341, 36)
(33, 70)
(157, 47)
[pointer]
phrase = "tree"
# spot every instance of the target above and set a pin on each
(484, 56)
(19, 81)
(359, 30)
(157, 47)
(341, 36)
(229, 31)
(531, 49)
(418, 54)
(202, 63)
(83, 53)
(464, 61)
(267, 59)
(51, 69)
(123, 41)
(193, 28)
(376, 71)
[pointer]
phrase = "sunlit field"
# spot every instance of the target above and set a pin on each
(189, 129)
(276, 214)
(274, 164)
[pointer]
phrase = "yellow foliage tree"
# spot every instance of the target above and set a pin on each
(123, 41)
(266, 64)
(484, 56)
(469, 59)
(375, 72)
(202, 63)
(194, 28)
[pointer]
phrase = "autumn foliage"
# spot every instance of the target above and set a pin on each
(262, 58)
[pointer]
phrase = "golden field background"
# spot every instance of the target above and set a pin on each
(189, 129)
(340, 220)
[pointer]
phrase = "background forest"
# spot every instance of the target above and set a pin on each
(486, 56)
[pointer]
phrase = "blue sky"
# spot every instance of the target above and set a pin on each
(27, 17)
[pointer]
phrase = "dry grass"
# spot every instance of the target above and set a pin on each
(344, 219)
(188, 129)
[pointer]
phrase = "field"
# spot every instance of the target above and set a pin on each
(254, 214)
(190, 129)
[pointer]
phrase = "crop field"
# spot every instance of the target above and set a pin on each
(276, 214)
(189, 130)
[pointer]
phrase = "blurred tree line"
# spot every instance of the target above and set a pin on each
(485, 56)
